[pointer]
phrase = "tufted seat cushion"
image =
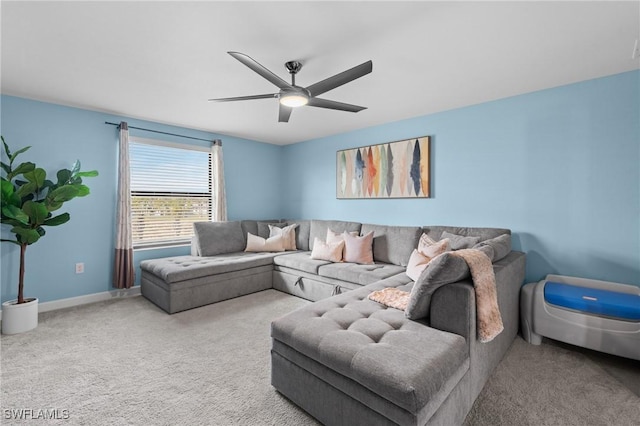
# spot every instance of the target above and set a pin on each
(181, 268)
(301, 261)
(405, 362)
(359, 274)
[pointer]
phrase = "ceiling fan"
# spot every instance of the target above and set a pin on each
(291, 96)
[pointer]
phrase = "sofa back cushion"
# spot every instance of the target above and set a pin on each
(249, 227)
(435, 232)
(302, 233)
(219, 237)
(500, 246)
(393, 244)
(319, 228)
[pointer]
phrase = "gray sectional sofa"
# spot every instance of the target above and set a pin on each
(345, 359)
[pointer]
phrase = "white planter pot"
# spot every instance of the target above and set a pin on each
(18, 318)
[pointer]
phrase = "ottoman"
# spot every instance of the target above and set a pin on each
(348, 360)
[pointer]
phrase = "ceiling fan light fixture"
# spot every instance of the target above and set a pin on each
(294, 100)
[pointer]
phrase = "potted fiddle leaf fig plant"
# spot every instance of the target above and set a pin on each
(30, 202)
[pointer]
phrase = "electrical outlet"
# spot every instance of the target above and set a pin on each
(79, 268)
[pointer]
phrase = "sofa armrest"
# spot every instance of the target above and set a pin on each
(453, 306)
(453, 309)
(195, 249)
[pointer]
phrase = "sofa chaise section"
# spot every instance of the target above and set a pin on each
(348, 360)
(221, 271)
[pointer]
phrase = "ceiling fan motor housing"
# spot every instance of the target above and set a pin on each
(293, 66)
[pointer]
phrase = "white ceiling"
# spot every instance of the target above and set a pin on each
(161, 61)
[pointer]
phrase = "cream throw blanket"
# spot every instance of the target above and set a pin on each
(489, 320)
(484, 283)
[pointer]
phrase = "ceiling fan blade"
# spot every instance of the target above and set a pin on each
(254, 65)
(284, 113)
(245, 98)
(340, 79)
(325, 103)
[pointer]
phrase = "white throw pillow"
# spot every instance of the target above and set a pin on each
(258, 244)
(358, 249)
(435, 249)
(417, 263)
(425, 241)
(288, 234)
(334, 237)
(327, 251)
(426, 251)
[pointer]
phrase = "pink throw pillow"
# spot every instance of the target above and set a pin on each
(358, 249)
(327, 251)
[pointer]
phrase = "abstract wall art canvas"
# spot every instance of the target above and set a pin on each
(390, 170)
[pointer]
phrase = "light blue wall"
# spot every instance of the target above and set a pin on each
(559, 167)
(59, 135)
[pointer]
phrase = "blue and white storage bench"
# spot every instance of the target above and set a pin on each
(598, 315)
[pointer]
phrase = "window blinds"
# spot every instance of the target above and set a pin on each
(170, 189)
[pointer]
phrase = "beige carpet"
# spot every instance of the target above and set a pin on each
(125, 362)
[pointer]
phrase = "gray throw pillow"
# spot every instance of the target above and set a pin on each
(486, 249)
(500, 245)
(219, 237)
(443, 269)
(458, 242)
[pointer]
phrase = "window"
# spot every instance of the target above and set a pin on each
(170, 189)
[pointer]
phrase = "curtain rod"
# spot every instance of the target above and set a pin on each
(215, 141)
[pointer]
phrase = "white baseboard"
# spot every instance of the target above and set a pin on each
(54, 305)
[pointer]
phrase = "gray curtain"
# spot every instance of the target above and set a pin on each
(219, 201)
(123, 272)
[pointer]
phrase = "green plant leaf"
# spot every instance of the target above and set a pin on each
(8, 221)
(75, 168)
(90, 173)
(26, 235)
(10, 241)
(16, 213)
(5, 167)
(8, 196)
(37, 176)
(6, 189)
(18, 152)
(83, 190)
(22, 168)
(63, 193)
(37, 212)
(48, 185)
(54, 205)
(27, 189)
(64, 176)
(6, 147)
(57, 220)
